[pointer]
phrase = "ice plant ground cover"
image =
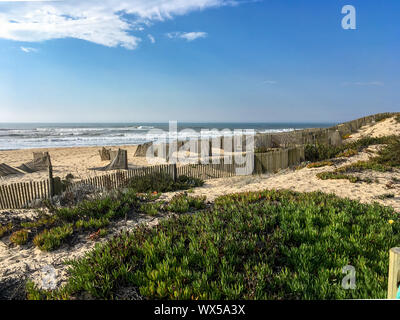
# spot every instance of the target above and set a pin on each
(58, 226)
(257, 245)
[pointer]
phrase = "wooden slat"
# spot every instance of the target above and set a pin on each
(3, 204)
(4, 197)
(14, 194)
(9, 199)
(394, 273)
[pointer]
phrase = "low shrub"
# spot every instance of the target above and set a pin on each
(346, 136)
(390, 154)
(183, 203)
(361, 166)
(19, 237)
(348, 153)
(335, 175)
(185, 183)
(92, 224)
(52, 239)
(263, 245)
(5, 229)
(385, 196)
(151, 209)
(163, 182)
(319, 164)
(110, 207)
(44, 221)
(320, 152)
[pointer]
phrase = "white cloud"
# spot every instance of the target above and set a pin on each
(28, 49)
(107, 22)
(151, 38)
(189, 36)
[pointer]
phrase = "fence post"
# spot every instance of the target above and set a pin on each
(394, 273)
(174, 172)
(51, 182)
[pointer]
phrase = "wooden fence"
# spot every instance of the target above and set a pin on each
(394, 274)
(277, 159)
(23, 195)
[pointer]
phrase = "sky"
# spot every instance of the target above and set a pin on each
(197, 60)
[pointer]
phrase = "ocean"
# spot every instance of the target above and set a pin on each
(53, 135)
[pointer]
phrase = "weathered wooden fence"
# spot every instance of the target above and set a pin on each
(277, 159)
(23, 195)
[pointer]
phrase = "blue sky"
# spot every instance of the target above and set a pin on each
(211, 60)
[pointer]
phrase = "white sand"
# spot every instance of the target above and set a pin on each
(28, 261)
(382, 128)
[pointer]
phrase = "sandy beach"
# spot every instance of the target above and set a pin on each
(28, 261)
(77, 161)
(74, 160)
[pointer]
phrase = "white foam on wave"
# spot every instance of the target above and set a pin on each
(53, 137)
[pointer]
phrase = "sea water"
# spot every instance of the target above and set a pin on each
(53, 135)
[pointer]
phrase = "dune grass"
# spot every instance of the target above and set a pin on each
(321, 152)
(259, 245)
(387, 159)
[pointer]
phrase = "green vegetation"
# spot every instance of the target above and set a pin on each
(5, 229)
(321, 152)
(335, 175)
(387, 159)
(320, 164)
(346, 136)
(53, 229)
(386, 196)
(263, 245)
(52, 239)
(152, 208)
(382, 117)
(348, 153)
(43, 221)
(163, 182)
(92, 224)
(390, 154)
(182, 203)
(361, 166)
(19, 237)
